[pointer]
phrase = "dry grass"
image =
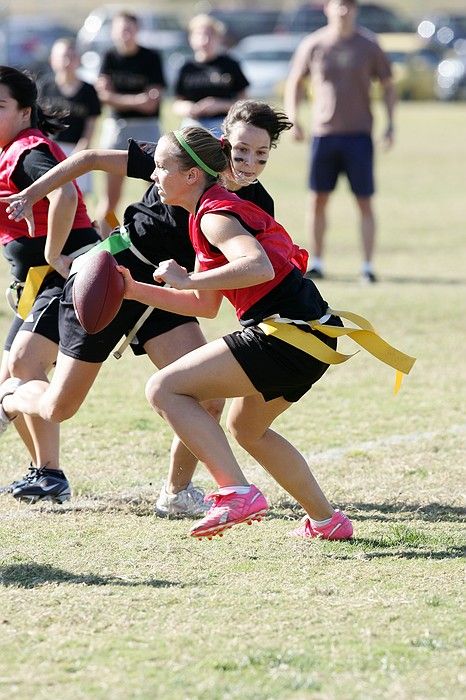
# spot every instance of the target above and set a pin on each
(100, 599)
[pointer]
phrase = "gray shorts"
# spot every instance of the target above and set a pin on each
(116, 132)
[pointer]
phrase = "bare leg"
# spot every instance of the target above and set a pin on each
(59, 400)
(31, 357)
(367, 227)
(163, 350)
(249, 420)
(176, 392)
(318, 221)
(19, 424)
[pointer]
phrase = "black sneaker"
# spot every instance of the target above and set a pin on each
(45, 485)
(20, 482)
(315, 273)
(368, 277)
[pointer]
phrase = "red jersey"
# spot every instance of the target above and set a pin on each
(281, 251)
(9, 157)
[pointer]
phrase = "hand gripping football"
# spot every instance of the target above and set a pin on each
(98, 291)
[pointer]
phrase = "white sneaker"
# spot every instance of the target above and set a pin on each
(8, 387)
(187, 503)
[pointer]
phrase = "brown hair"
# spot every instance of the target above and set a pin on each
(213, 152)
(258, 114)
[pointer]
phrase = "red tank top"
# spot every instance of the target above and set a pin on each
(280, 249)
(10, 230)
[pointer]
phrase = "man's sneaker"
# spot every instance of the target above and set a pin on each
(368, 277)
(229, 510)
(186, 503)
(339, 528)
(19, 482)
(8, 387)
(315, 273)
(45, 485)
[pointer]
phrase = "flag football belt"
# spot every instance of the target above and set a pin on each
(27, 291)
(114, 244)
(364, 335)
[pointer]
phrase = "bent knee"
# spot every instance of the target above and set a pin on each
(155, 391)
(56, 410)
(214, 407)
(242, 432)
(18, 366)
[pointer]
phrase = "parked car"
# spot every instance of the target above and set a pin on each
(265, 60)
(302, 18)
(414, 65)
(443, 29)
(381, 19)
(26, 40)
(310, 16)
(241, 23)
(158, 30)
(451, 76)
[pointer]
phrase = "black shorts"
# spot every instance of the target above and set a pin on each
(275, 368)
(43, 317)
(76, 343)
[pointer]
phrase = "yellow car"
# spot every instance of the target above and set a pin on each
(413, 63)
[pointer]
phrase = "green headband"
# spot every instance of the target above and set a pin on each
(181, 140)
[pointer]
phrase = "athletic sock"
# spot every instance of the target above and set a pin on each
(225, 490)
(317, 264)
(320, 523)
(366, 267)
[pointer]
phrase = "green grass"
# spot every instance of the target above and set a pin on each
(99, 599)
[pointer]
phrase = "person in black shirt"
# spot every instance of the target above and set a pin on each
(209, 85)
(66, 92)
(157, 232)
(131, 84)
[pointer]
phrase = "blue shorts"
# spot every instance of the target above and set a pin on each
(352, 154)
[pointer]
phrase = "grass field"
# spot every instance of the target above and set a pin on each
(99, 599)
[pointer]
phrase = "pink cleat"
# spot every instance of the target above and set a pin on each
(229, 510)
(339, 528)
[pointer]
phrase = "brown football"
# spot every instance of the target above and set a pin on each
(98, 290)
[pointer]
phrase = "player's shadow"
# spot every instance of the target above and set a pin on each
(371, 548)
(429, 512)
(32, 575)
(400, 279)
(396, 511)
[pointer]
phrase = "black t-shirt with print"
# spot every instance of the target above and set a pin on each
(82, 105)
(221, 77)
(133, 74)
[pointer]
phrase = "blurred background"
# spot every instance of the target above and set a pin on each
(426, 39)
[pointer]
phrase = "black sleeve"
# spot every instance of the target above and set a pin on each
(92, 100)
(178, 89)
(32, 165)
(257, 194)
(156, 69)
(240, 82)
(106, 66)
(140, 159)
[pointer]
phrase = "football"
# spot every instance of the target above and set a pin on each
(98, 290)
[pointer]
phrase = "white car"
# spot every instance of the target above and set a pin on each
(158, 30)
(265, 60)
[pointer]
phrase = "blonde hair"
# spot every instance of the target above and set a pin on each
(207, 22)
